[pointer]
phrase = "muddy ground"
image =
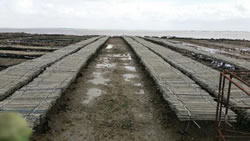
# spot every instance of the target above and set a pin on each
(39, 40)
(16, 48)
(114, 99)
(233, 48)
(13, 35)
(7, 62)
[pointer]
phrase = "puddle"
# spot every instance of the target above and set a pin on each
(105, 65)
(130, 68)
(109, 46)
(224, 65)
(99, 79)
(243, 49)
(125, 59)
(138, 84)
(210, 50)
(129, 57)
(92, 94)
(125, 56)
(128, 77)
(118, 55)
(106, 59)
(141, 91)
(215, 63)
(229, 66)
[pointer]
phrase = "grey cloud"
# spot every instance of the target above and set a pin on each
(125, 14)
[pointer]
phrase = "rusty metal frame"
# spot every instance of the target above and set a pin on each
(223, 127)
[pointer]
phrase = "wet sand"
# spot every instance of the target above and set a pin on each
(232, 48)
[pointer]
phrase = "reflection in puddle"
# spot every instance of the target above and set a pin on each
(221, 50)
(92, 94)
(99, 79)
(138, 84)
(127, 77)
(129, 57)
(220, 64)
(125, 56)
(109, 46)
(141, 91)
(210, 50)
(118, 55)
(243, 49)
(125, 59)
(106, 59)
(130, 68)
(105, 65)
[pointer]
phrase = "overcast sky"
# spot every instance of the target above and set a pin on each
(127, 14)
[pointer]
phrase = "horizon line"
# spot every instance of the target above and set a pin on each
(100, 29)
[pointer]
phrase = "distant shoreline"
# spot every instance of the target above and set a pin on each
(182, 34)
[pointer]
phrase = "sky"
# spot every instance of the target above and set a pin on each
(219, 15)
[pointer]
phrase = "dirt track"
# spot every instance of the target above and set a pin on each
(115, 99)
(112, 100)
